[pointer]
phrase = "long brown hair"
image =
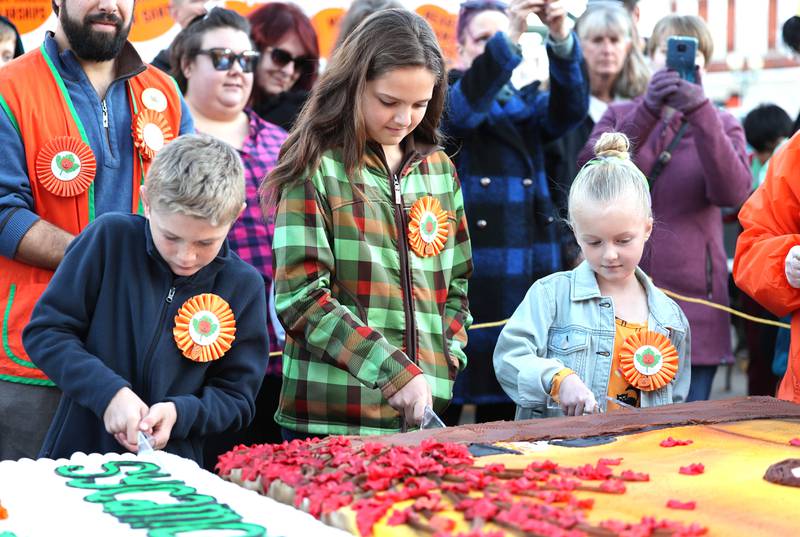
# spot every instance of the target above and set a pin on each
(332, 116)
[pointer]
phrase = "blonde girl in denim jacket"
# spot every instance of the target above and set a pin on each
(601, 331)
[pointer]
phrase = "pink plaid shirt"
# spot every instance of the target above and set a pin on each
(251, 236)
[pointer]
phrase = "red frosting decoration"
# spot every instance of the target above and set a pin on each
(671, 442)
(692, 469)
(676, 504)
(65, 166)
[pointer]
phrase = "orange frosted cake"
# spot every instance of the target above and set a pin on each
(690, 469)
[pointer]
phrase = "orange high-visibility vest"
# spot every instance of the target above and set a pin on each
(35, 99)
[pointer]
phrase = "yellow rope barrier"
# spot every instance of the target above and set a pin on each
(708, 303)
(732, 311)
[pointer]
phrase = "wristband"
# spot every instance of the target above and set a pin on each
(556, 383)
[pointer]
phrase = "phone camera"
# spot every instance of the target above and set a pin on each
(681, 47)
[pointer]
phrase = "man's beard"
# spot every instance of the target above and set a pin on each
(89, 44)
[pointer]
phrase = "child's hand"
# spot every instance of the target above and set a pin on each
(575, 398)
(792, 267)
(159, 422)
(122, 417)
(410, 400)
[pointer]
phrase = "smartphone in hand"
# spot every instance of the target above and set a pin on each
(681, 53)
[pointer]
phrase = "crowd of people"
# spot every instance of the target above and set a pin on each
(232, 245)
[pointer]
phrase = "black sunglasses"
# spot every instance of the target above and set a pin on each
(281, 58)
(222, 59)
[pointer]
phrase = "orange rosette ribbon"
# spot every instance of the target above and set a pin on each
(649, 361)
(65, 166)
(204, 328)
(151, 132)
(427, 228)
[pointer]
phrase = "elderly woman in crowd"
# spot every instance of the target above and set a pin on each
(214, 63)
(617, 72)
(695, 158)
(501, 131)
(289, 61)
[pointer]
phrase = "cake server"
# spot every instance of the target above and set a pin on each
(145, 443)
(430, 420)
(624, 406)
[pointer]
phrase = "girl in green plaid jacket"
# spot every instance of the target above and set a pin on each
(371, 248)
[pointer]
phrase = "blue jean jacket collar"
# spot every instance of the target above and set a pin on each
(584, 287)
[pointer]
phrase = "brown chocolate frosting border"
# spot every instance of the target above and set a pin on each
(696, 413)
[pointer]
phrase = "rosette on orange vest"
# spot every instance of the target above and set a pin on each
(151, 132)
(427, 228)
(648, 360)
(204, 328)
(65, 166)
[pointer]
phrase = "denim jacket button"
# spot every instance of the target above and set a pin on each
(605, 305)
(527, 182)
(481, 223)
(486, 181)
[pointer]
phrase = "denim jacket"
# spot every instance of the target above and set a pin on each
(564, 321)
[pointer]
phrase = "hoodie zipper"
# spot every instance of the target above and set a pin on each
(411, 329)
(148, 357)
(105, 121)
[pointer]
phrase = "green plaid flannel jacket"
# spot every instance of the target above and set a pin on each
(343, 266)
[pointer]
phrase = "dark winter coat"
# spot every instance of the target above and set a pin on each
(281, 109)
(500, 132)
(105, 322)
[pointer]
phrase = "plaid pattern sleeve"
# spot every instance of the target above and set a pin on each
(341, 295)
(251, 235)
(457, 316)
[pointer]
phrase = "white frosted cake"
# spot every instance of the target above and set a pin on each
(157, 495)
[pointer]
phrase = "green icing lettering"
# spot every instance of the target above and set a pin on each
(191, 512)
(245, 529)
(111, 469)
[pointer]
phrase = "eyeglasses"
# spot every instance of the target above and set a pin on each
(222, 59)
(303, 64)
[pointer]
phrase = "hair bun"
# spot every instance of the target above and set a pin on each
(612, 144)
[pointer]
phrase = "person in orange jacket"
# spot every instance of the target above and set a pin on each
(767, 261)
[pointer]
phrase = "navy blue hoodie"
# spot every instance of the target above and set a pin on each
(105, 322)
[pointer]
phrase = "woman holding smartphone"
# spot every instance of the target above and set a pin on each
(706, 169)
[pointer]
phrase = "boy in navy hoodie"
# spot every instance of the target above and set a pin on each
(152, 324)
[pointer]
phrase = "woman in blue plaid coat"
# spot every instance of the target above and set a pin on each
(497, 133)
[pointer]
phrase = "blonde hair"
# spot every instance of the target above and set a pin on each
(688, 25)
(610, 176)
(197, 175)
(611, 18)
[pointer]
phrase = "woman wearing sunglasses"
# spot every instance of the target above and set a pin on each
(216, 63)
(289, 60)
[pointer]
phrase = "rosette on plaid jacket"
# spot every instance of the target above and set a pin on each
(363, 313)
